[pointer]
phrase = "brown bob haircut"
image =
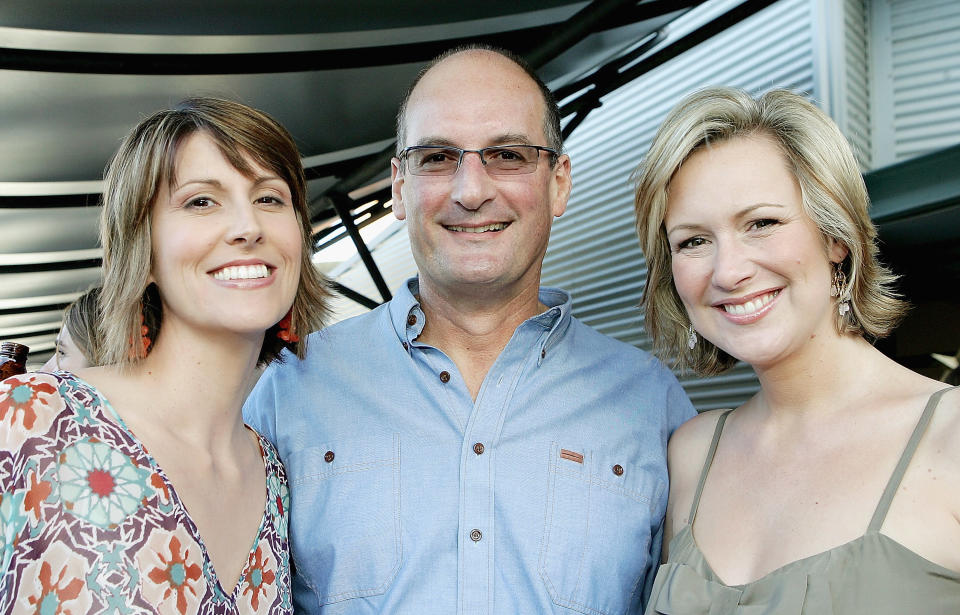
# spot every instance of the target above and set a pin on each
(146, 158)
(834, 197)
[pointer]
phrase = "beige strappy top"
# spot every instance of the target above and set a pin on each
(870, 575)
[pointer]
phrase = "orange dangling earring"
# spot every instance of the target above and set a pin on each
(284, 332)
(145, 340)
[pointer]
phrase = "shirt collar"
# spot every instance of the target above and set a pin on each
(408, 318)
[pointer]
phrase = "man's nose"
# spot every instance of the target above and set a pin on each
(472, 185)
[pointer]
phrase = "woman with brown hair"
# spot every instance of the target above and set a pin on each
(137, 484)
(836, 488)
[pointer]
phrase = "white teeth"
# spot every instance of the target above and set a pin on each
(750, 306)
(478, 229)
(242, 272)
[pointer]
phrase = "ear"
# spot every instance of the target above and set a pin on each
(396, 189)
(837, 250)
(561, 185)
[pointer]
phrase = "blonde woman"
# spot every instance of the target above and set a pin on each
(836, 488)
(78, 343)
(137, 485)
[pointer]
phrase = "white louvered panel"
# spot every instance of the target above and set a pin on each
(856, 116)
(593, 250)
(918, 77)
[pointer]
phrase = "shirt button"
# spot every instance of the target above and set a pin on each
(444, 377)
(404, 344)
(328, 456)
(618, 470)
(543, 354)
(476, 535)
(478, 448)
(411, 320)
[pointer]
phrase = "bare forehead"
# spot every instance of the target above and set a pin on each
(479, 66)
(474, 74)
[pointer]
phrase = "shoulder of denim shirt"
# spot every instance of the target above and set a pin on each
(639, 370)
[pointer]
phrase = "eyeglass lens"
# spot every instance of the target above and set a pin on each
(508, 160)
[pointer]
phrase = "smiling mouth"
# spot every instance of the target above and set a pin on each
(750, 307)
(242, 272)
(479, 229)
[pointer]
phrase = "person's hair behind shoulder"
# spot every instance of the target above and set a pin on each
(82, 318)
(834, 196)
(146, 158)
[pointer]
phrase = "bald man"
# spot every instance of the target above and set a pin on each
(470, 447)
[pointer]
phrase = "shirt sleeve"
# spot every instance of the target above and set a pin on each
(656, 545)
(260, 408)
(679, 408)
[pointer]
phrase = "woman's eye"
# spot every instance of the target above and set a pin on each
(270, 200)
(693, 242)
(763, 223)
(201, 202)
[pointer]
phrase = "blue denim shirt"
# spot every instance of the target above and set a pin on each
(546, 495)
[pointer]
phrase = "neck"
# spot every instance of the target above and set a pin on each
(478, 319)
(196, 384)
(473, 328)
(816, 381)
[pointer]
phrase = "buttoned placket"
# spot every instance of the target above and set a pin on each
(477, 538)
(481, 423)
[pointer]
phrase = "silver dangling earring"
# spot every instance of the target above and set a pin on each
(839, 289)
(691, 337)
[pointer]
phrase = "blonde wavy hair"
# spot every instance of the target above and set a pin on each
(834, 196)
(146, 158)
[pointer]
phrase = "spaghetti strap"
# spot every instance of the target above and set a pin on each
(706, 465)
(880, 514)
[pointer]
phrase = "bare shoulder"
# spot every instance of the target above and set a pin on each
(693, 437)
(944, 429)
(686, 454)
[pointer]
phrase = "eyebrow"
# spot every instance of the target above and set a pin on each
(743, 213)
(260, 179)
(510, 138)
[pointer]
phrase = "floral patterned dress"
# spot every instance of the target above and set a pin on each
(91, 524)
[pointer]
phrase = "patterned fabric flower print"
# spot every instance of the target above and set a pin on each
(279, 503)
(12, 521)
(259, 578)
(38, 490)
(28, 405)
(55, 583)
(100, 484)
(174, 580)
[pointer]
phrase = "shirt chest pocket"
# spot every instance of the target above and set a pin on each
(597, 533)
(345, 516)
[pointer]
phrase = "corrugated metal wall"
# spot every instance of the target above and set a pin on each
(594, 251)
(856, 70)
(916, 78)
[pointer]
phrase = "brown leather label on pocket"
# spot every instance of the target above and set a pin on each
(565, 454)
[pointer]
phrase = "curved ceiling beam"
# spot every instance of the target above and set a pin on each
(161, 44)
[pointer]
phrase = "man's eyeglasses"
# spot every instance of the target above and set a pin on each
(498, 160)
